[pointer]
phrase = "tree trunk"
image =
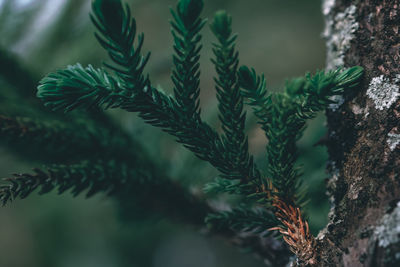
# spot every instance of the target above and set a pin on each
(364, 131)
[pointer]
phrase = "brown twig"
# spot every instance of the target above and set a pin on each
(295, 229)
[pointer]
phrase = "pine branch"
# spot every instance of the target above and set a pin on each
(313, 93)
(282, 116)
(91, 176)
(296, 233)
(254, 89)
(130, 184)
(282, 132)
(71, 88)
(76, 87)
(186, 25)
(132, 94)
(230, 100)
(117, 32)
(17, 98)
(152, 105)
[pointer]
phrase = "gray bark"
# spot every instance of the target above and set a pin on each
(364, 131)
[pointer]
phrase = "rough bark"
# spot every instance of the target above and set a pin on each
(364, 130)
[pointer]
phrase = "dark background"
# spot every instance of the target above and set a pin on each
(280, 38)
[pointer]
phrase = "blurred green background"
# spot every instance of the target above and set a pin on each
(280, 38)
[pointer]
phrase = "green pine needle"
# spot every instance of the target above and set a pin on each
(93, 177)
(186, 28)
(76, 87)
(230, 101)
(117, 33)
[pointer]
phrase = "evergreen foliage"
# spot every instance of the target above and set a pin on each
(76, 87)
(129, 184)
(230, 100)
(186, 28)
(117, 33)
(269, 199)
(89, 176)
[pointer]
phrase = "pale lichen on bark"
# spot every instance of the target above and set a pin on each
(339, 32)
(388, 232)
(393, 140)
(383, 91)
(327, 6)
